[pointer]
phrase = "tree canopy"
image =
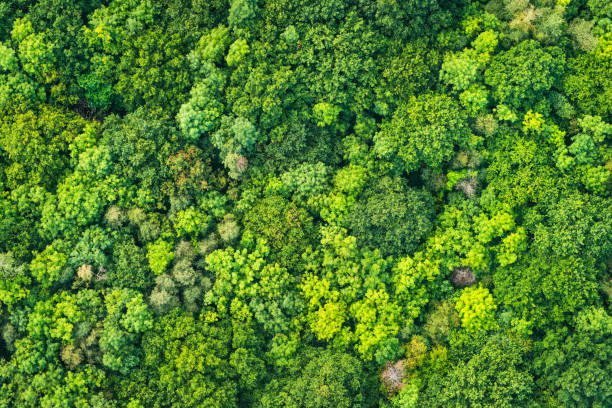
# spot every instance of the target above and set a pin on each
(306, 203)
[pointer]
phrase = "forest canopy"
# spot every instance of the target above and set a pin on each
(306, 204)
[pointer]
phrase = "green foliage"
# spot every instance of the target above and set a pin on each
(575, 366)
(307, 179)
(325, 113)
(520, 173)
(139, 144)
(284, 225)
(476, 309)
(587, 83)
(189, 362)
(13, 280)
(290, 35)
(241, 12)
(127, 317)
(353, 298)
(547, 290)
(190, 223)
(237, 51)
(289, 203)
(201, 113)
(576, 225)
(410, 67)
(159, 254)
(39, 143)
(459, 71)
(91, 248)
(392, 217)
(475, 99)
(246, 284)
(129, 269)
(35, 51)
(495, 376)
(48, 267)
(407, 398)
(440, 321)
(522, 75)
(424, 131)
(140, 50)
(235, 139)
(331, 380)
(210, 48)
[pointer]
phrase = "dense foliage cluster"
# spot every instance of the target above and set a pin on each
(306, 203)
